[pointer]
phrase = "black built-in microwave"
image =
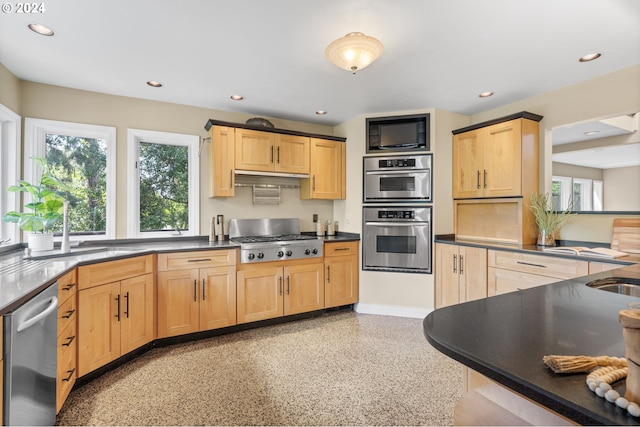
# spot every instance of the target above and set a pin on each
(398, 133)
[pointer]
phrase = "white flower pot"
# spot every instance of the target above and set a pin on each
(40, 241)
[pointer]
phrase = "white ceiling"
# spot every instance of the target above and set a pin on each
(437, 53)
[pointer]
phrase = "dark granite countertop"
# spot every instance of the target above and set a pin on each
(505, 338)
(539, 250)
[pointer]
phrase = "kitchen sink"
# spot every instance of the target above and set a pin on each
(618, 285)
(107, 250)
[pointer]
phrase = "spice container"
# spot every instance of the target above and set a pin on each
(331, 230)
(320, 228)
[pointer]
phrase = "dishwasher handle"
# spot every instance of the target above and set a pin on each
(53, 304)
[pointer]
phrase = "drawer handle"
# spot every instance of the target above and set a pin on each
(69, 287)
(70, 340)
(69, 314)
(70, 375)
(341, 249)
(199, 260)
(531, 264)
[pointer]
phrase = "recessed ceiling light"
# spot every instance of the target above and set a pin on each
(237, 97)
(321, 112)
(485, 94)
(154, 83)
(590, 57)
(41, 29)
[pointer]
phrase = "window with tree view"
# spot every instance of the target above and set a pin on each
(81, 163)
(164, 187)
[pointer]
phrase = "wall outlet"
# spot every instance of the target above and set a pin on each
(315, 217)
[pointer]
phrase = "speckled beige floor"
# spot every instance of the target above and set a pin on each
(339, 369)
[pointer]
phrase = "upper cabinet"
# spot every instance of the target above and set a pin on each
(327, 177)
(496, 159)
(318, 160)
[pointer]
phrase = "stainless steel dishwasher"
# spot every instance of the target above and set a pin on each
(30, 356)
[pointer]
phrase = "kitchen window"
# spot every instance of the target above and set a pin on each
(83, 156)
(9, 171)
(584, 194)
(163, 196)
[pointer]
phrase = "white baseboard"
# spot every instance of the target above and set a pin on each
(392, 310)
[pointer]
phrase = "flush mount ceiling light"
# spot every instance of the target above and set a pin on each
(41, 29)
(237, 97)
(321, 112)
(154, 83)
(590, 57)
(485, 94)
(354, 51)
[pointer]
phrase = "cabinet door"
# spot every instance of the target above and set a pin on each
(217, 297)
(326, 172)
(292, 154)
(255, 150)
(341, 280)
(259, 294)
(502, 281)
(178, 302)
(221, 161)
(467, 165)
(447, 280)
(98, 326)
(303, 288)
(472, 267)
(502, 145)
(136, 312)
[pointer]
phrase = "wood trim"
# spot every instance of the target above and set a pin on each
(521, 115)
(212, 122)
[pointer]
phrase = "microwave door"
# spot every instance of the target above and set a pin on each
(399, 185)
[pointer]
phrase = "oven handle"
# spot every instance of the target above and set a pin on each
(397, 224)
(397, 172)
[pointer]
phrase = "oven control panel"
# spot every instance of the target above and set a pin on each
(397, 163)
(404, 214)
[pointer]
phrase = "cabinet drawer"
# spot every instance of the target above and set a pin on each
(560, 268)
(196, 259)
(112, 271)
(340, 249)
(67, 313)
(501, 281)
(66, 370)
(66, 286)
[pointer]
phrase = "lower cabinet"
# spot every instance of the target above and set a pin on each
(67, 370)
(341, 264)
(193, 299)
(510, 271)
(460, 274)
(269, 290)
(117, 317)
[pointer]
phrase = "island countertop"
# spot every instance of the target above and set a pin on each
(505, 338)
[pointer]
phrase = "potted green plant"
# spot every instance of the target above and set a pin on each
(546, 218)
(44, 211)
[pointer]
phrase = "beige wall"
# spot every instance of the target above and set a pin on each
(9, 90)
(621, 190)
(64, 104)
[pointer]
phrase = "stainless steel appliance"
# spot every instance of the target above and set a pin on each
(397, 238)
(272, 239)
(30, 357)
(397, 178)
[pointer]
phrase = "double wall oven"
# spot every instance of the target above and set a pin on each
(396, 213)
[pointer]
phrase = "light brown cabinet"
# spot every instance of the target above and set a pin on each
(67, 370)
(341, 274)
(499, 160)
(270, 290)
(460, 274)
(271, 152)
(221, 161)
(115, 310)
(196, 291)
(327, 175)
(511, 271)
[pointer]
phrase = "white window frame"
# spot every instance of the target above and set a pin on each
(586, 193)
(10, 131)
(134, 137)
(35, 131)
(598, 202)
(565, 190)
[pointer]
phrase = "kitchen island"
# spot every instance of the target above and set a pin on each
(505, 338)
